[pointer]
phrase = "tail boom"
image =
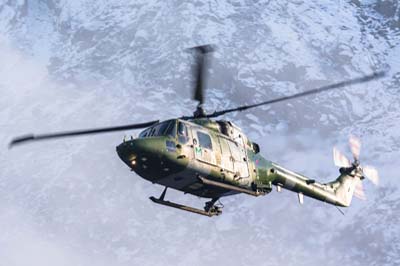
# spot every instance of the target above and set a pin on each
(339, 192)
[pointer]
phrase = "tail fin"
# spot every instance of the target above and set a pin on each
(344, 188)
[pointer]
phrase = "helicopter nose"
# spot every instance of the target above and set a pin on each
(127, 151)
(152, 158)
(136, 151)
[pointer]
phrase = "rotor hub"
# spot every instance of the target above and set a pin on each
(200, 112)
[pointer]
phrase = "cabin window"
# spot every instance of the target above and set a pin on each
(204, 140)
(182, 133)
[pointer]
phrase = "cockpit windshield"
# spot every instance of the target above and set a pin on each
(166, 128)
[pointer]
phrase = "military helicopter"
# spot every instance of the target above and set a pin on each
(213, 158)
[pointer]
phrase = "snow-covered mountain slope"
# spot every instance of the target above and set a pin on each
(77, 64)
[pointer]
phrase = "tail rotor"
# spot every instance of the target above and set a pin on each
(355, 147)
(359, 191)
(354, 168)
(340, 159)
(372, 174)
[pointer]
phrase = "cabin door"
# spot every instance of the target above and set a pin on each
(239, 159)
(203, 147)
(226, 156)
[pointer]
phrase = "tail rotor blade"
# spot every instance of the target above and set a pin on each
(372, 174)
(355, 147)
(359, 191)
(340, 159)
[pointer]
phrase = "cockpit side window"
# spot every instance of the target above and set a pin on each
(182, 133)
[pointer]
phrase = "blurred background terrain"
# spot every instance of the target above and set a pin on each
(82, 63)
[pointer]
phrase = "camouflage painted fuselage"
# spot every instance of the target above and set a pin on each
(175, 153)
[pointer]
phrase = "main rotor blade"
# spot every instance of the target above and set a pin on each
(31, 137)
(200, 71)
(367, 78)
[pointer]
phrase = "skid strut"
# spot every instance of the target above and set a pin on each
(209, 210)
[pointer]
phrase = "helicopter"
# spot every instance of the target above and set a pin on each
(211, 159)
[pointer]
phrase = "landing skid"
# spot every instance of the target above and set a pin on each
(209, 210)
